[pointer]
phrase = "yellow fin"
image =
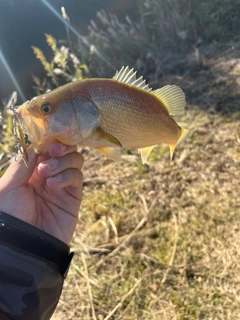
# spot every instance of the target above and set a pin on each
(129, 76)
(145, 153)
(182, 137)
(107, 136)
(111, 153)
(173, 98)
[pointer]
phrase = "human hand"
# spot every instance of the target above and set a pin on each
(46, 197)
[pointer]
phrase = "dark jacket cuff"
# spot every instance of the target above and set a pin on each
(24, 237)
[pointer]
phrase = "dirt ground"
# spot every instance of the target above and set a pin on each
(162, 240)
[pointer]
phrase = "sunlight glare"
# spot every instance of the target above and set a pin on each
(12, 76)
(76, 33)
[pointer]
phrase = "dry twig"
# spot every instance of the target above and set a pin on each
(130, 292)
(89, 287)
(174, 249)
(129, 237)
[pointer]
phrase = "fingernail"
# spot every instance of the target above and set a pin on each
(53, 180)
(58, 178)
(51, 164)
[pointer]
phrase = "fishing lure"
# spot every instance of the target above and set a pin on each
(21, 137)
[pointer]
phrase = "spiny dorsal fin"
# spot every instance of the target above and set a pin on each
(128, 76)
(173, 98)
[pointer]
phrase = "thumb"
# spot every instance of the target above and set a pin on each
(18, 173)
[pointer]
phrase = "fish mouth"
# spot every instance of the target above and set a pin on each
(33, 127)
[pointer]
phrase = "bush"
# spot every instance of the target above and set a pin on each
(164, 30)
(64, 66)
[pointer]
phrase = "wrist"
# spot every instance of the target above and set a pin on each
(22, 236)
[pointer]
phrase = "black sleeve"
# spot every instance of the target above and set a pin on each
(33, 265)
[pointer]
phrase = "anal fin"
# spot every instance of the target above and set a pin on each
(145, 153)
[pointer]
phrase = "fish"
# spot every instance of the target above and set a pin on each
(107, 114)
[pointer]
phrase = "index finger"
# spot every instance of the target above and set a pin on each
(58, 150)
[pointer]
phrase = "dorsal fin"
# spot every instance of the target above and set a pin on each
(173, 98)
(128, 76)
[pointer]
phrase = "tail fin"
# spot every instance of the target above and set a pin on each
(182, 137)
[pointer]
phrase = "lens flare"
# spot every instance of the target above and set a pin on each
(76, 33)
(12, 76)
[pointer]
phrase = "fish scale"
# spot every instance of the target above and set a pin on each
(132, 124)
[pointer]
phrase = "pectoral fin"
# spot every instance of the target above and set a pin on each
(107, 136)
(111, 153)
(145, 153)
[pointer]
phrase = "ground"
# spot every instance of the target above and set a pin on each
(162, 240)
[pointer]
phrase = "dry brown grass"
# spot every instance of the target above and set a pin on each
(161, 240)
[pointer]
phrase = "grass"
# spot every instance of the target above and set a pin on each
(161, 240)
(161, 244)
(7, 145)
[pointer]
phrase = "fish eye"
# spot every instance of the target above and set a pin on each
(46, 108)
